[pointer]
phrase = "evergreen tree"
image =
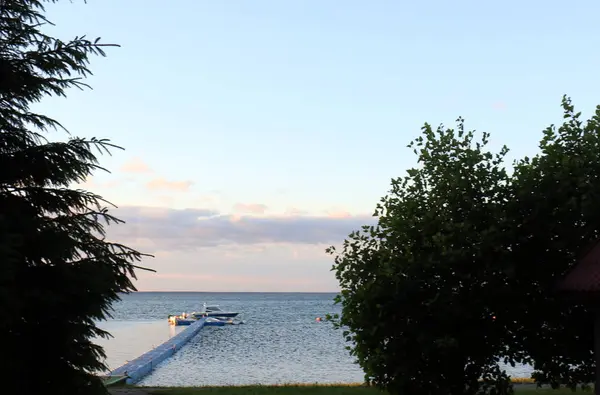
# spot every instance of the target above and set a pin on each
(58, 274)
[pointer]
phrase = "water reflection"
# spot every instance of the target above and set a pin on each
(133, 338)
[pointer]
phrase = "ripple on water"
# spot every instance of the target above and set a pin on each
(258, 354)
(236, 356)
(130, 339)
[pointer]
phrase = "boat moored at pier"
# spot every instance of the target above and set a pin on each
(217, 317)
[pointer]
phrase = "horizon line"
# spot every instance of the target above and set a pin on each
(243, 292)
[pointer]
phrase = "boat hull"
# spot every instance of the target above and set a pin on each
(184, 322)
(222, 314)
(211, 321)
(215, 314)
(180, 321)
(215, 323)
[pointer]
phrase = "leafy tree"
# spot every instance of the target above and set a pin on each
(460, 272)
(411, 291)
(59, 275)
(556, 218)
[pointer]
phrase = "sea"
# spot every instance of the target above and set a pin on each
(280, 342)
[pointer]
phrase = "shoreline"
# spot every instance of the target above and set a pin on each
(518, 381)
(306, 389)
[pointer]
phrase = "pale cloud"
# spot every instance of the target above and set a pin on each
(207, 250)
(190, 229)
(338, 214)
(235, 218)
(292, 211)
(135, 165)
(251, 208)
(164, 184)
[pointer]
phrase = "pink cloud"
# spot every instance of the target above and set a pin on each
(163, 184)
(251, 208)
(339, 214)
(135, 165)
(235, 218)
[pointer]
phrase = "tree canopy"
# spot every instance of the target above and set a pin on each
(59, 274)
(459, 274)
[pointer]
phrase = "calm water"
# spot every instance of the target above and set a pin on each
(280, 343)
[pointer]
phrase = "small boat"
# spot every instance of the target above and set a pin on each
(213, 311)
(180, 320)
(212, 321)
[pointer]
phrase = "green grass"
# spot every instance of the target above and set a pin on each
(549, 391)
(321, 390)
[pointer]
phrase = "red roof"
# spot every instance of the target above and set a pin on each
(584, 276)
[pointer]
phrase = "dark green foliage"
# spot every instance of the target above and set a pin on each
(58, 274)
(460, 272)
(556, 206)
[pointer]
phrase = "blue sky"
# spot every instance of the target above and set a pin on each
(301, 111)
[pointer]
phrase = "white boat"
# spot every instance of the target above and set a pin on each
(213, 311)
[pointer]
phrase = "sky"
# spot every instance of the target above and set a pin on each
(257, 133)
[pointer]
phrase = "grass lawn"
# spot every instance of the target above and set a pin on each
(321, 390)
